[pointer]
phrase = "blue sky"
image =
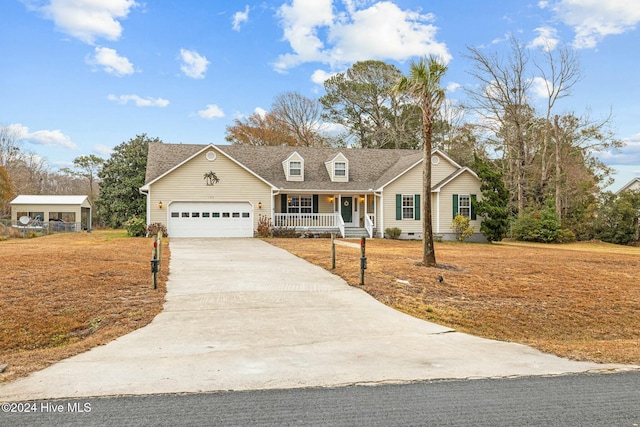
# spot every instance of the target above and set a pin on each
(81, 76)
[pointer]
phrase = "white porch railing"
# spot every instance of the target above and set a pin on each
(340, 223)
(306, 220)
(369, 223)
(319, 221)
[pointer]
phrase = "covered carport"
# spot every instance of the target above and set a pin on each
(73, 213)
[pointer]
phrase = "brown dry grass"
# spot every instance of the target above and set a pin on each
(580, 301)
(66, 293)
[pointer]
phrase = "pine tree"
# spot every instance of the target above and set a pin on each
(495, 200)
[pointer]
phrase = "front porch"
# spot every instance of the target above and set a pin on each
(346, 215)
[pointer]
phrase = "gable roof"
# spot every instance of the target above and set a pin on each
(454, 175)
(25, 199)
(162, 159)
(368, 168)
(630, 184)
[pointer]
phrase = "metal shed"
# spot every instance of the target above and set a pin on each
(69, 211)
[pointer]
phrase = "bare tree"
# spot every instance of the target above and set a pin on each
(501, 100)
(10, 145)
(259, 129)
(301, 116)
(559, 72)
(293, 120)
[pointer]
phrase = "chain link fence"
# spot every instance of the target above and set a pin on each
(15, 229)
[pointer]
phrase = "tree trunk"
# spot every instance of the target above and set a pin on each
(556, 131)
(428, 251)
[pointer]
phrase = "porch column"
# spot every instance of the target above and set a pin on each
(366, 203)
(273, 207)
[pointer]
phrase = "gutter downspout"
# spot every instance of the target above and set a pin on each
(147, 195)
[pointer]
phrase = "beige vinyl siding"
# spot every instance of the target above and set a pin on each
(295, 157)
(330, 165)
(463, 184)
(187, 183)
(440, 171)
(409, 183)
(324, 205)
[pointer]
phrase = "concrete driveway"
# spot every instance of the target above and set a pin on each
(242, 314)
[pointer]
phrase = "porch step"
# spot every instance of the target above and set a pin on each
(355, 232)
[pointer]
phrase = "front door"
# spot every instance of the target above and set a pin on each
(347, 209)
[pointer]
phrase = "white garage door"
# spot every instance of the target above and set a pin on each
(210, 219)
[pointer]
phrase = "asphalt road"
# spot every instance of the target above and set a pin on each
(570, 400)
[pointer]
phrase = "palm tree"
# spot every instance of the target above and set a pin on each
(423, 85)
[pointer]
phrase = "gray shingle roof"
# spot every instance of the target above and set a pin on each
(368, 168)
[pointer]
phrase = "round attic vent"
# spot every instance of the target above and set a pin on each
(211, 155)
(435, 160)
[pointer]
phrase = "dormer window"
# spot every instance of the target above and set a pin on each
(338, 168)
(295, 168)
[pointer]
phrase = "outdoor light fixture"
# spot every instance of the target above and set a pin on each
(160, 204)
(259, 205)
(331, 199)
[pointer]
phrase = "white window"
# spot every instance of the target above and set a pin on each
(299, 204)
(340, 169)
(408, 206)
(295, 168)
(464, 205)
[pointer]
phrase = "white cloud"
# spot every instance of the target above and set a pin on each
(53, 138)
(102, 150)
(547, 39)
(540, 87)
(627, 157)
(240, 18)
(320, 76)
(87, 20)
(42, 137)
(111, 61)
(506, 37)
(211, 112)
(260, 111)
(193, 65)
(452, 87)
(139, 101)
(380, 31)
(592, 20)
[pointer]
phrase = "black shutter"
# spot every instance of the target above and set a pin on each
(455, 205)
(473, 208)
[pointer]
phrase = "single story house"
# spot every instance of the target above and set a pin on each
(72, 211)
(633, 185)
(224, 190)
